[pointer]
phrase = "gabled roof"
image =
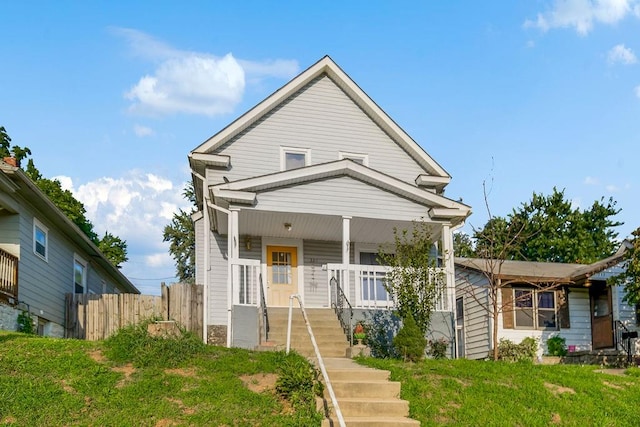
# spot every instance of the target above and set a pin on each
(327, 67)
(245, 190)
(541, 272)
(28, 190)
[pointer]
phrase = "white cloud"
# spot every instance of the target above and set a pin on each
(160, 259)
(612, 188)
(621, 54)
(583, 14)
(194, 82)
(142, 131)
(65, 182)
(591, 181)
(636, 90)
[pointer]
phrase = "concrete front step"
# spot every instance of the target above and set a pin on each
(357, 375)
(366, 407)
(372, 422)
(367, 388)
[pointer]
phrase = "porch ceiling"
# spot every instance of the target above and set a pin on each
(318, 227)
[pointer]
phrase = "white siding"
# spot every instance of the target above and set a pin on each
(341, 196)
(322, 118)
(579, 334)
(317, 253)
(199, 231)
(218, 280)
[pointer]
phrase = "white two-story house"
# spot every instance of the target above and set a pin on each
(304, 188)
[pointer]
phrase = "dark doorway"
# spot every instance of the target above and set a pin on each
(601, 315)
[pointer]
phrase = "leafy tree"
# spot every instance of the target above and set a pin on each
(182, 237)
(463, 245)
(630, 277)
(114, 248)
(413, 283)
(19, 153)
(551, 230)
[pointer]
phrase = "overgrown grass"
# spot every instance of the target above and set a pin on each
(55, 382)
(475, 393)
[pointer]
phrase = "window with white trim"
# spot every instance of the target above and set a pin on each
(40, 240)
(535, 309)
(79, 275)
(359, 158)
(294, 158)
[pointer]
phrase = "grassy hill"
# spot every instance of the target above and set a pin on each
(135, 382)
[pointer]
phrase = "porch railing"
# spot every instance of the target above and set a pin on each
(8, 276)
(341, 305)
(245, 281)
(623, 338)
(364, 285)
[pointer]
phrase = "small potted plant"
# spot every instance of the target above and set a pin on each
(358, 333)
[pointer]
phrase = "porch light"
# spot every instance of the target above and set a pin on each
(287, 226)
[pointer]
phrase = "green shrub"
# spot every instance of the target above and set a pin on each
(410, 343)
(557, 346)
(298, 380)
(25, 323)
(133, 344)
(438, 348)
(380, 328)
(511, 352)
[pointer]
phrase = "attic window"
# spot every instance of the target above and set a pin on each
(362, 159)
(294, 158)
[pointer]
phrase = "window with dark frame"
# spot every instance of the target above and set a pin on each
(40, 238)
(535, 309)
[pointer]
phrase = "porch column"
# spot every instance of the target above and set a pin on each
(346, 244)
(233, 252)
(447, 253)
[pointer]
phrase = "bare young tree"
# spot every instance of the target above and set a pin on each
(495, 242)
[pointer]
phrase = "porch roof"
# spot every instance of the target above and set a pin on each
(542, 272)
(244, 191)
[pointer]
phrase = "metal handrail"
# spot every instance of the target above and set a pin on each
(323, 369)
(338, 305)
(623, 338)
(265, 315)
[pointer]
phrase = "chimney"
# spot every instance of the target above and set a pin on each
(11, 161)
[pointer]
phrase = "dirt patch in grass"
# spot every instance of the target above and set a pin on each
(259, 383)
(66, 387)
(8, 420)
(185, 409)
(614, 386)
(127, 370)
(183, 372)
(97, 356)
(164, 423)
(555, 419)
(558, 389)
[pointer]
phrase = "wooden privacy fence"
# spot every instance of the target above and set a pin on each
(96, 317)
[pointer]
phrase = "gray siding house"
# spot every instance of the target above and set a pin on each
(541, 300)
(44, 256)
(305, 188)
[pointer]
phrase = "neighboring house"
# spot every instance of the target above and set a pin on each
(542, 299)
(44, 256)
(303, 188)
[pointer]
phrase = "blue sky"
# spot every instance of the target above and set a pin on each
(520, 95)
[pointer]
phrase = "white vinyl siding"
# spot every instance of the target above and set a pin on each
(477, 327)
(218, 274)
(322, 118)
(341, 196)
(317, 253)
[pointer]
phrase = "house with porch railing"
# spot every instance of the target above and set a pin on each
(298, 196)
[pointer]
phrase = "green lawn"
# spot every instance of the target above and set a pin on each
(485, 393)
(55, 382)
